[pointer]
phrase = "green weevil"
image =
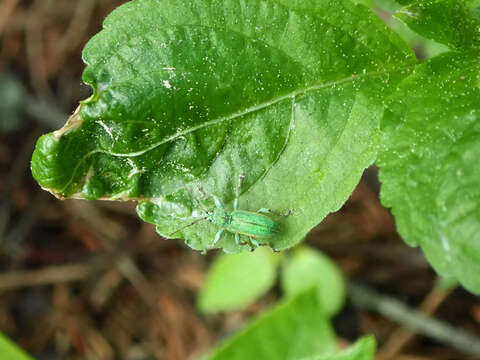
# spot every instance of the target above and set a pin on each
(255, 225)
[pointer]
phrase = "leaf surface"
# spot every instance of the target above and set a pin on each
(449, 22)
(363, 349)
(429, 165)
(295, 329)
(287, 93)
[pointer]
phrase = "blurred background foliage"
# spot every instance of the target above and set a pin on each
(81, 280)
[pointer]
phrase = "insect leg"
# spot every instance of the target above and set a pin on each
(250, 243)
(218, 236)
(218, 202)
(199, 203)
(268, 211)
(186, 226)
(237, 192)
(237, 238)
(201, 191)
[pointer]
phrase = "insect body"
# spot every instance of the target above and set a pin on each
(251, 224)
(254, 225)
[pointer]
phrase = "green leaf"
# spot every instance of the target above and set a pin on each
(448, 22)
(235, 281)
(11, 105)
(11, 351)
(363, 349)
(476, 12)
(429, 172)
(294, 329)
(423, 47)
(308, 267)
(473, 3)
(287, 93)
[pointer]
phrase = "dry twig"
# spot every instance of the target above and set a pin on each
(415, 320)
(402, 336)
(77, 27)
(6, 10)
(111, 233)
(46, 276)
(13, 179)
(35, 50)
(14, 239)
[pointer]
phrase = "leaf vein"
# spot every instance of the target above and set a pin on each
(298, 93)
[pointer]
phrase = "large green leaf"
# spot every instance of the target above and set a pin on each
(363, 349)
(287, 93)
(295, 329)
(237, 280)
(429, 166)
(450, 22)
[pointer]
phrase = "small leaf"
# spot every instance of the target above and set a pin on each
(363, 349)
(424, 48)
(308, 267)
(235, 281)
(287, 93)
(429, 172)
(294, 329)
(449, 22)
(11, 351)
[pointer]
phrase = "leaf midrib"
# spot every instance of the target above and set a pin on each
(298, 93)
(291, 95)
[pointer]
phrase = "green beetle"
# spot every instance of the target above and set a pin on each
(255, 225)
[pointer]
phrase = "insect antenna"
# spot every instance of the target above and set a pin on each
(199, 203)
(194, 198)
(186, 226)
(204, 194)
